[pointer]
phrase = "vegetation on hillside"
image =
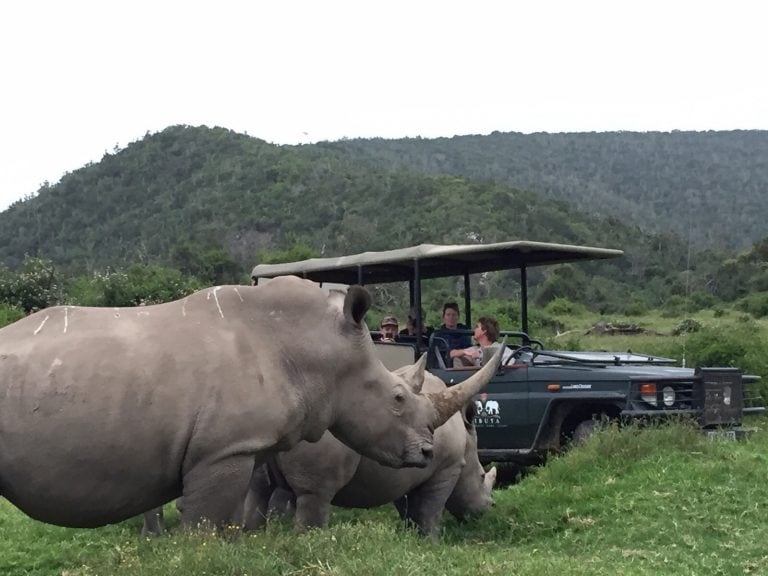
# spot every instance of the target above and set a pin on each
(211, 203)
(709, 186)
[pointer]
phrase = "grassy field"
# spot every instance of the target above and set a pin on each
(653, 501)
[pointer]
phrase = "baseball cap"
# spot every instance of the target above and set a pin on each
(389, 321)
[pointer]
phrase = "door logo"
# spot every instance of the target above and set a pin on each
(487, 411)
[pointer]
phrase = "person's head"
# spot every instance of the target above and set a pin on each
(389, 328)
(412, 313)
(411, 324)
(486, 330)
(450, 314)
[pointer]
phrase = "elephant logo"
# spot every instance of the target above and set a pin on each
(492, 408)
(487, 411)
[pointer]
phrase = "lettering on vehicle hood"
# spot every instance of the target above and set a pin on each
(577, 387)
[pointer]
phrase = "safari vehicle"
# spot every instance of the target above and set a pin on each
(541, 399)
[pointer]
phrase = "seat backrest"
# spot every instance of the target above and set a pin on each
(395, 355)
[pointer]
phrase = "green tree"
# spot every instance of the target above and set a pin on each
(33, 287)
(296, 252)
(139, 284)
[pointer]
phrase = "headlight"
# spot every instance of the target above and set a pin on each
(668, 395)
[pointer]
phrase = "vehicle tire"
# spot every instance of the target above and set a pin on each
(583, 432)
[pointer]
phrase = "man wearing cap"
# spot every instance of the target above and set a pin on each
(388, 329)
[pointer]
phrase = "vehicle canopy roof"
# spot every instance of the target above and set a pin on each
(437, 261)
(433, 261)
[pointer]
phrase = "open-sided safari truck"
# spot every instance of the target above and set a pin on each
(540, 399)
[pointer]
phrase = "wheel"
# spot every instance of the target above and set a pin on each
(583, 431)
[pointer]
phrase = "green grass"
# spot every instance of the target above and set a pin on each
(661, 500)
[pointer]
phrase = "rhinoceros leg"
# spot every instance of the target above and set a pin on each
(282, 503)
(214, 493)
(402, 507)
(424, 504)
(266, 500)
(312, 511)
(154, 522)
(256, 507)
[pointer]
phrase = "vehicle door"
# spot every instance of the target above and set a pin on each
(502, 419)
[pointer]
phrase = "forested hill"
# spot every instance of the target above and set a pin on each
(713, 184)
(192, 189)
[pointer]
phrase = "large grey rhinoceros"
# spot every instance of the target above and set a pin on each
(318, 474)
(106, 413)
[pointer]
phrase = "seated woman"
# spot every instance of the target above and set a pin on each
(486, 334)
(447, 331)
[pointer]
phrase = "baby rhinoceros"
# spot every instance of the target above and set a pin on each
(328, 472)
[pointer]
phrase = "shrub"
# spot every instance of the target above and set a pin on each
(755, 304)
(719, 311)
(140, 284)
(9, 314)
(700, 300)
(33, 287)
(687, 326)
(675, 305)
(564, 307)
(734, 345)
(636, 307)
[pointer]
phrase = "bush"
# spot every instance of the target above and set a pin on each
(700, 300)
(564, 307)
(719, 311)
(140, 284)
(636, 307)
(687, 326)
(35, 286)
(674, 306)
(734, 345)
(755, 304)
(9, 314)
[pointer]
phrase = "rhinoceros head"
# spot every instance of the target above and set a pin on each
(381, 414)
(472, 494)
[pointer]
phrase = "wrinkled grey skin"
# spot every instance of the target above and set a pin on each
(106, 413)
(325, 472)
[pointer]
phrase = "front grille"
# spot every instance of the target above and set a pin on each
(684, 389)
(715, 396)
(721, 396)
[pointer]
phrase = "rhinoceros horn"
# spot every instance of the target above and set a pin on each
(413, 374)
(450, 401)
(489, 479)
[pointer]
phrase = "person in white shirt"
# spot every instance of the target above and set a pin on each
(486, 333)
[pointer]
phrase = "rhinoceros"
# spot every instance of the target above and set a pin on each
(318, 474)
(106, 413)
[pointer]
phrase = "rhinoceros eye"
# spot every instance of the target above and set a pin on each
(399, 397)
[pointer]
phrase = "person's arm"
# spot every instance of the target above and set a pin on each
(471, 352)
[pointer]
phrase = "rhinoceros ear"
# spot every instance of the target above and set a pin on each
(468, 415)
(414, 374)
(356, 303)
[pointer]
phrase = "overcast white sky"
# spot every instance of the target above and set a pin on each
(79, 77)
